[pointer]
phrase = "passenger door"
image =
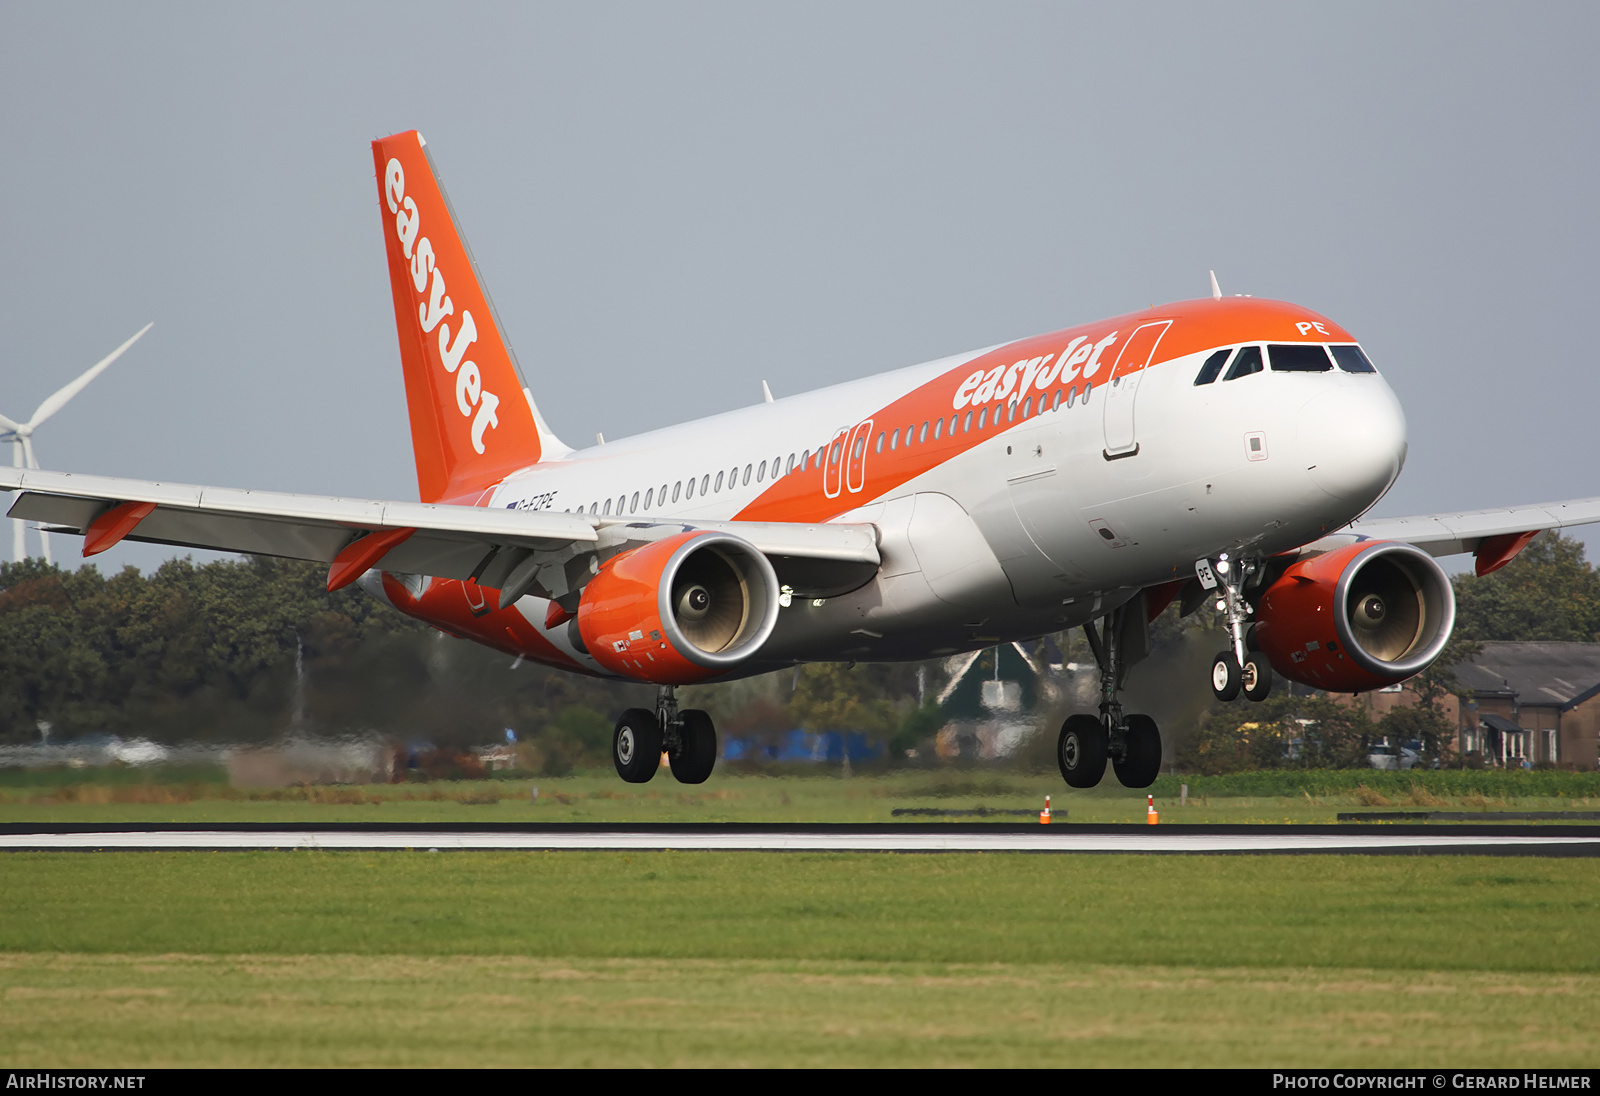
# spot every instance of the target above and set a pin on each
(1122, 392)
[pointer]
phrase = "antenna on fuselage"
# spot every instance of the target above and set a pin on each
(766, 392)
(1216, 290)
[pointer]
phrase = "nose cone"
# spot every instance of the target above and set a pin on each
(1353, 440)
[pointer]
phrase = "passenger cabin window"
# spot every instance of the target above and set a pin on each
(719, 481)
(676, 487)
(649, 498)
(1351, 359)
(1299, 358)
(1213, 367)
(1246, 362)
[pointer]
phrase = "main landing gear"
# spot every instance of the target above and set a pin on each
(688, 737)
(1241, 668)
(1131, 742)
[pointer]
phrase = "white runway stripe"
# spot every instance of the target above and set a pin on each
(1059, 839)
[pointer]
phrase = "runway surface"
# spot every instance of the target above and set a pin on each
(925, 838)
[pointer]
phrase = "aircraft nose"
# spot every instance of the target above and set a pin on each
(1353, 440)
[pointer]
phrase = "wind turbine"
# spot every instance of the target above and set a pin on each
(21, 434)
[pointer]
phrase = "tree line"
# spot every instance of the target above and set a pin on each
(251, 649)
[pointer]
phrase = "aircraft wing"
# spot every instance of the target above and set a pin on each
(1448, 534)
(1494, 536)
(352, 535)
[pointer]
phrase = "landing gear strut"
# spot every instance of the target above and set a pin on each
(1242, 667)
(688, 737)
(1131, 742)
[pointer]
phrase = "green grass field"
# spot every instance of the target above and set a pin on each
(687, 958)
(205, 797)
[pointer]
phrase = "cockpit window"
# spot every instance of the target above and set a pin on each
(1351, 359)
(1208, 372)
(1246, 362)
(1299, 358)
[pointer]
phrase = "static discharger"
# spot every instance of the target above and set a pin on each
(1150, 815)
(1044, 815)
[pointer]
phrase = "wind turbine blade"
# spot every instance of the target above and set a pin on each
(7, 424)
(56, 402)
(27, 452)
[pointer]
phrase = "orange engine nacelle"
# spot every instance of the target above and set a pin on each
(680, 610)
(1359, 618)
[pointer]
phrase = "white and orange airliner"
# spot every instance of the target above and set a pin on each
(1219, 449)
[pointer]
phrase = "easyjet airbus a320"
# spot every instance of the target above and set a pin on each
(1216, 449)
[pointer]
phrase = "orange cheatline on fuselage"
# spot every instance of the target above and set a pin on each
(1035, 372)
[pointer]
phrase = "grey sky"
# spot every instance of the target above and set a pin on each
(671, 202)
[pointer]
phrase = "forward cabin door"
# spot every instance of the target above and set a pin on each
(1122, 391)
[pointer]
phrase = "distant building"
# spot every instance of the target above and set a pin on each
(1533, 702)
(994, 697)
(1538, 701)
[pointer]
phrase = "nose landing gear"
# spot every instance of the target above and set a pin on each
(1241, 668)
(688, 737)
(1131, 742)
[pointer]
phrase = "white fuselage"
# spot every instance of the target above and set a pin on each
(1041, 525)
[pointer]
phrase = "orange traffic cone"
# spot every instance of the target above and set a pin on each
(1044, 815)
(1150, 815)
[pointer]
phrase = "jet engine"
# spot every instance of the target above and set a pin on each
(680, 610)
(1358, 618)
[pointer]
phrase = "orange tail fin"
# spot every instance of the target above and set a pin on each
(472, 421)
